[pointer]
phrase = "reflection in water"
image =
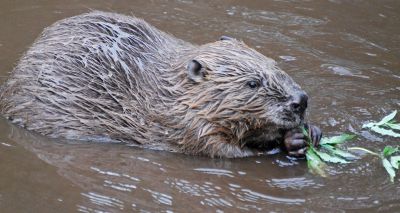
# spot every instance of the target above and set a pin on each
(343, 53)
(114, 177)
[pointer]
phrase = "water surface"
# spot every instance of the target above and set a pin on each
(345, 54)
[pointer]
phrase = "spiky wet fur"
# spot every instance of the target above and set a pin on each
(104, 76)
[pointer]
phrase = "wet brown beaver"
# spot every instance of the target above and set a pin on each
(103, 76)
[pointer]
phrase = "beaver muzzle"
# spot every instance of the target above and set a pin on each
(299, 103)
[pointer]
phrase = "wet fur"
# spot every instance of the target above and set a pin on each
(104, 76)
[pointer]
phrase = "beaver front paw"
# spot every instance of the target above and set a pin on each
(296, 142)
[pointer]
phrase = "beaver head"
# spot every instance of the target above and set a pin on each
(237, 89)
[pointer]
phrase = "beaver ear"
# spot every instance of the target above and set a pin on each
(196, 71)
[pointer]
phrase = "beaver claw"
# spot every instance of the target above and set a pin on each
(296, 143)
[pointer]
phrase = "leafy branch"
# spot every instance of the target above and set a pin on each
(327, 152)
(390, 166)
(386, 126)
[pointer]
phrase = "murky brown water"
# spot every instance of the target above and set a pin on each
(345, 54)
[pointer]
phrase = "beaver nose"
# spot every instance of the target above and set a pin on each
(299, 102)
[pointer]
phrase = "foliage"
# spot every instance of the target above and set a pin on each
(327, 152)
(386, 126)
(386, 154)
(330, 152)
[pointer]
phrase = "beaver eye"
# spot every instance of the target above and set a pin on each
(253, 84)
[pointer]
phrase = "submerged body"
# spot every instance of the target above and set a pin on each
(104, 76)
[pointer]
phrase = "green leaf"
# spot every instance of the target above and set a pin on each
(389, 150)
(329, 158)
(368, 125)
(383, 131)
(384, 120)
(303, 129)
(314, 163)
(337, 139)
(305, 133)
(389, 168)
(395, 161)
(338, 152)
(395, 126)
(387, 118)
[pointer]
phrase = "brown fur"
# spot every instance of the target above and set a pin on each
(103, 76)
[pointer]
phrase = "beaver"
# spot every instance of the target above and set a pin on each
(103, 76)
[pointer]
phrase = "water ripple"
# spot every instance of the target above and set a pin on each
(345, 71)
(6, 144)
(283, 18)
(160, 198)
(103, 200)
(119, 186)
(193, 189)
(293, 183)
(105, 172)
(250, 195)
(219, 172)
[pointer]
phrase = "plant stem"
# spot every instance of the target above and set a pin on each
(365, 150)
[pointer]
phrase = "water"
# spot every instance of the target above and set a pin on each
(345, 54)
